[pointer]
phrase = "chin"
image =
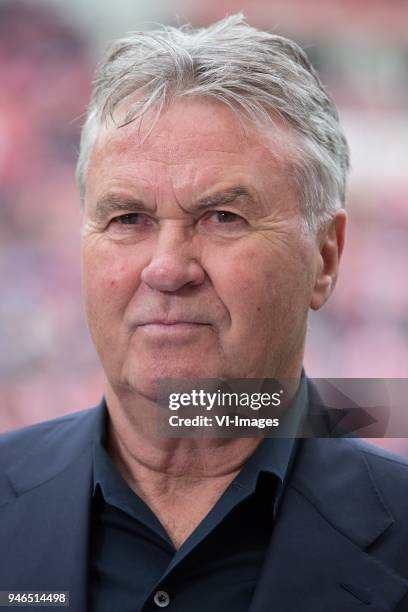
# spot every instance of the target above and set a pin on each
(148, 381)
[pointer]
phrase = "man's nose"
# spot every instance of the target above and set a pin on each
(174, 264)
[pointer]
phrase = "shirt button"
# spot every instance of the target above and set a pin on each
(161, 599)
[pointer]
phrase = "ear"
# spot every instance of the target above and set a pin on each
(330, 247)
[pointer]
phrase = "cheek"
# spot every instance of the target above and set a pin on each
(263, 290)
(109, 281)
(242, 282)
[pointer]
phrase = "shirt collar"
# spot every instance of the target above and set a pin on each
(275, 455)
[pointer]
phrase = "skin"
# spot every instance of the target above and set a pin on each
(180, 285)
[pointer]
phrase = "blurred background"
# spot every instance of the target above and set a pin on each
(48, 52)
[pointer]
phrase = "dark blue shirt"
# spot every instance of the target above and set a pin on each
(134, 565)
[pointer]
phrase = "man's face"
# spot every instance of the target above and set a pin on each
(194, 262)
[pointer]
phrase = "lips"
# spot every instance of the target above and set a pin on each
(171, 319)
(170, 330)
(173, 322)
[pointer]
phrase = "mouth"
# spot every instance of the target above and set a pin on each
(158, 327)
(171, 322)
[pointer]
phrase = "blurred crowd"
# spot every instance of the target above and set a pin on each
(47, 363)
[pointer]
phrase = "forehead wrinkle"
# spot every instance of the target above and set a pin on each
(176, 153)
(233, 158)
(170, 146)
(188, 157)
(166, 156)
(171, 139)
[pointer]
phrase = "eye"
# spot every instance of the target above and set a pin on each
(223, 223)
(132, 224)
(130, 219)
(224, 217)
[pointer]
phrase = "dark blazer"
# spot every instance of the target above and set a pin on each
(340, 543)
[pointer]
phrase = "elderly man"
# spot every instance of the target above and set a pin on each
(212, 176)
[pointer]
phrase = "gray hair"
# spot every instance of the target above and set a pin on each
(257, 74)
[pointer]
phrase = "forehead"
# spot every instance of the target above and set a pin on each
(195, 142)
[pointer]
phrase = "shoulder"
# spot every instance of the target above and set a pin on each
(355, 449)
(379, 455)
(349, 455)
(342, 454)
(24, 434)
(58, 432)
(339, 470)
(375, 455)
(386, 466)
(389, 472)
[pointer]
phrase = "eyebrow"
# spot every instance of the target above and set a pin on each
(247, 201)
(114, 203)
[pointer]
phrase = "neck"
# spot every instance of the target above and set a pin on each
(135, 445)
(179, 479)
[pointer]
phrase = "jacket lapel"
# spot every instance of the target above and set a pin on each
(44, 523)
(316, 559)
